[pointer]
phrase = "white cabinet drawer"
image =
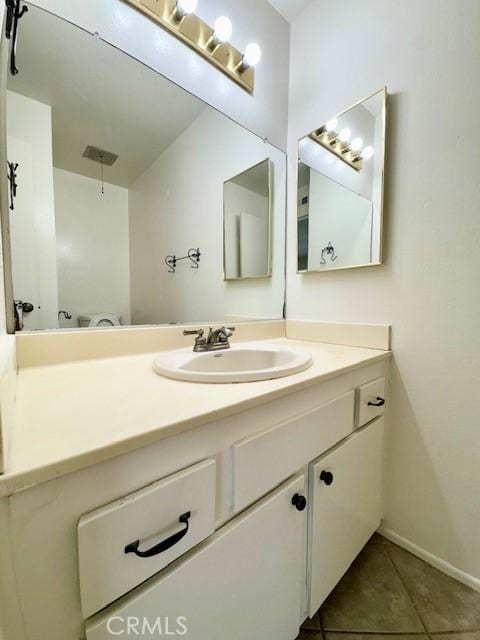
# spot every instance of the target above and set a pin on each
(244, 583)
(159, 523)
(370, 401)
(262, 461)
(346, 502)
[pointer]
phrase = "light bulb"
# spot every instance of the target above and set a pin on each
(367, 153)
(222, 29)
(184, 7)
(331, 125)
(357, 144)
(345, 134)
(253, 55)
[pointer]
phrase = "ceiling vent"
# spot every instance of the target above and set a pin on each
(100, 155)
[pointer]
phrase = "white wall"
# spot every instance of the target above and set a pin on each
(92, 247)
(30, 130)
(177, 204)
(341, 217)
(254, 21)
(428, 54)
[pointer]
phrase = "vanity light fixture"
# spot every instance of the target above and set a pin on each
(184, 8)
(357, 144)
(251, 57)
(222, 32)
(351, 153)
(179, 19)
(331, 125)
(367, 153)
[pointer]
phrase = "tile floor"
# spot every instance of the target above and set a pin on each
(388, 594)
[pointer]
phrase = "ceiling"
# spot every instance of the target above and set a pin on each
(289, 9)
(99, 97)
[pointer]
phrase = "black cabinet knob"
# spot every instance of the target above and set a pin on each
(326, 477)
(299, 502)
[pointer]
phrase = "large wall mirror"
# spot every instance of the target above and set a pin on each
(340, 189)
(122, 180)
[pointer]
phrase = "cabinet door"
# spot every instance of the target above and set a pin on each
(346, 490)
(245, 582)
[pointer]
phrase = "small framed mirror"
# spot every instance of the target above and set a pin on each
(340, 189)
(247, 223)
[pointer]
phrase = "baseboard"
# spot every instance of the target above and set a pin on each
(431, 559)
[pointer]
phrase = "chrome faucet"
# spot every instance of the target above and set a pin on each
(217, 338)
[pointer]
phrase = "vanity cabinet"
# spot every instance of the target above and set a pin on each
(345, 506)
(251, 566)
(244, 583)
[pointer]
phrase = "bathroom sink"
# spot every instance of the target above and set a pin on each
(245, 363)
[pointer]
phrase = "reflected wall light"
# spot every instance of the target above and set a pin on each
(338, 143)
(367, 153)
(178, 18)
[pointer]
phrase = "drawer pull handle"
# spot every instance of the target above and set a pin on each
(326, 477)
(379, 402)
(299, 502)
(165, 544)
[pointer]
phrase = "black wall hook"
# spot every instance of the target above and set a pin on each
(329, 250)
(12, 179)
(15, 11)
(193, 255)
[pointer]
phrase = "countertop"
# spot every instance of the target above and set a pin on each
(70, 416)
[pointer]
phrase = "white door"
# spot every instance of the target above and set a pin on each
(253, 246)
(244, 583)
(346, 507)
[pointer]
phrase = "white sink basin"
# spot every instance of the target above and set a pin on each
(245, 363)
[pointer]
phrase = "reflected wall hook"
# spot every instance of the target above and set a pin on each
(193, 255)
(329, 250)
(15, 11)
(12, 179)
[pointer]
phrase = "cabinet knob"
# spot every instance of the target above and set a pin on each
(326, 477)
(299, 502)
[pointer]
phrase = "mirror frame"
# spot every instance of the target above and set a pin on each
(384, 92)
(270, 224)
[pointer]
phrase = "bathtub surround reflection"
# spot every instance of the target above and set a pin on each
(340, 189)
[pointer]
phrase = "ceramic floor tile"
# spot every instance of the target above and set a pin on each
(312, 624)
(377, 539)
(473, 635)
(371, 597)
(443, 603)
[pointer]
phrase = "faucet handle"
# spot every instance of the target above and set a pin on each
(200, 341)
(194, 332)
